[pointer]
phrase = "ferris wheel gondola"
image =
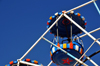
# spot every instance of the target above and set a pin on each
(64, 24)
(63, 29)
(25, 62)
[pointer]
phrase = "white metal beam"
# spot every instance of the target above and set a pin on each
(50, 63)
(80, 6)
(28, 63)
(89, 32)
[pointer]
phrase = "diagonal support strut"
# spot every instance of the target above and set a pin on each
(81, 28)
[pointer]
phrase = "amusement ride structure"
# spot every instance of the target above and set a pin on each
(65, 25)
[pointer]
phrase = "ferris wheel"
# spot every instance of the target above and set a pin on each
(65, 25)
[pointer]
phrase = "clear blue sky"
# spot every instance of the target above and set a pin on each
(22, 22)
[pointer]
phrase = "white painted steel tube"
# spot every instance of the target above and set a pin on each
(27, 63)
(91, 60)
(96, 6)
(89, 32)
(41, 37)
(80, 6)
(50, 63)
(18, 64)
(81, 28)
(66, 52)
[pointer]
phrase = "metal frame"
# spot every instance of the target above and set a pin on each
(87, 51)
(42, 36)
(91, 60)
(93, 54)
